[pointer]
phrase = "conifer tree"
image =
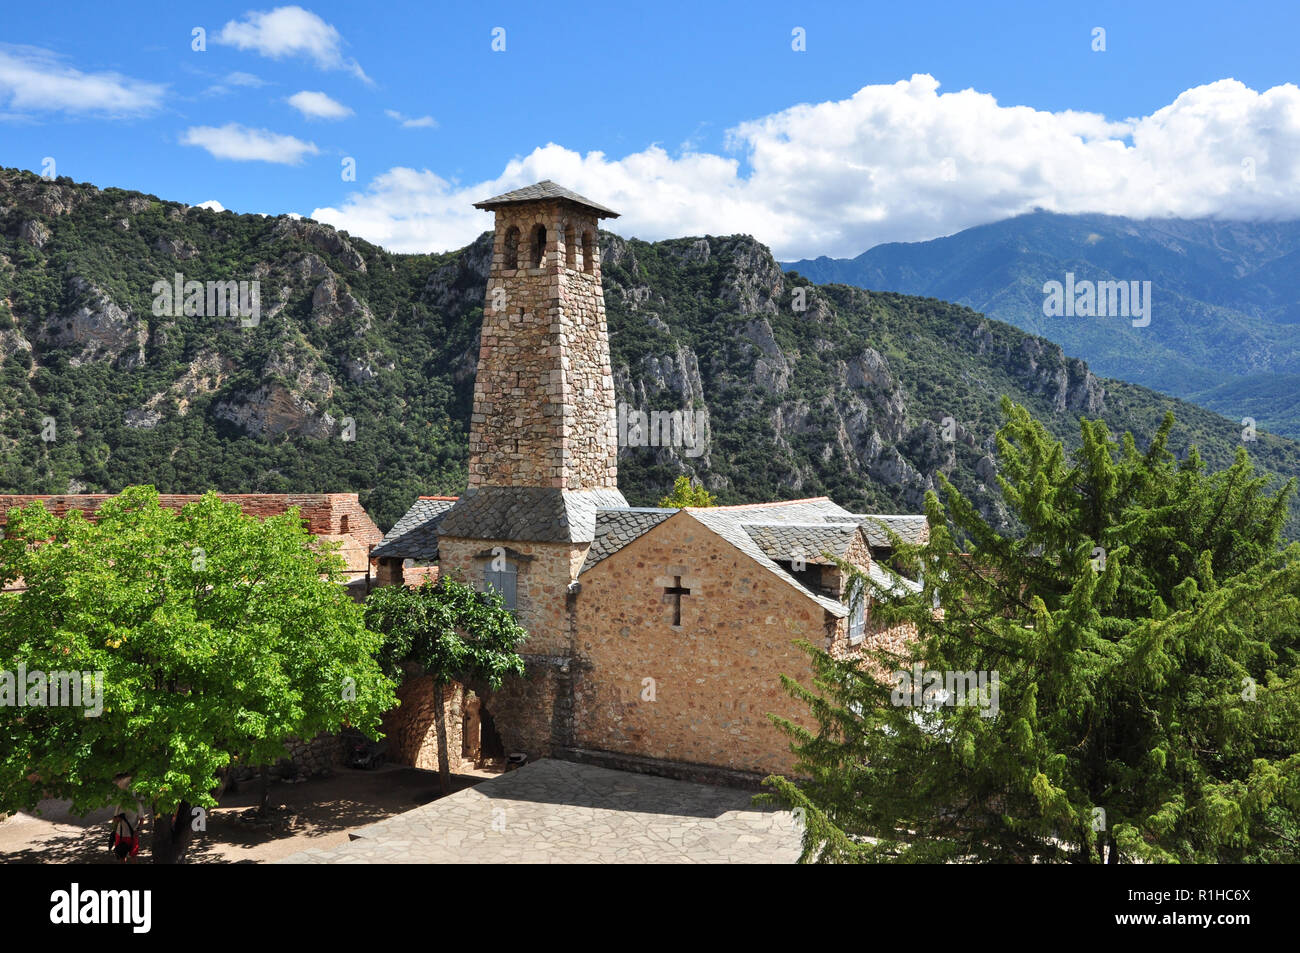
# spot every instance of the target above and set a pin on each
(1143, 632)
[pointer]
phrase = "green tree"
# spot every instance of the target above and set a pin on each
(1144, 632)
(687, 493)
(454, 632)
(217, 636)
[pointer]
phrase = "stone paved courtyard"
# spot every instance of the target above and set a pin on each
(560, 812)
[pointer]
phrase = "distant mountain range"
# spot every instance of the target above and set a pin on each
(357, 372)
(1225, 322)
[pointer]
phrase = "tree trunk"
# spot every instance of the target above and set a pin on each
(263, 789)
(440, 726)
(171, 835)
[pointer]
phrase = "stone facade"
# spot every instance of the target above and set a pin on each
(700, 691)
(543, 573)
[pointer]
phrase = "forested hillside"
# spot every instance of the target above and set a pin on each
(358, 371)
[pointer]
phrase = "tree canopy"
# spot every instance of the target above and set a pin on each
(217, 637)
(1142, 632)
(687, 493)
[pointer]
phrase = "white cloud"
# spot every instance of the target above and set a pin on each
(245, 79)
(233, 141)
(33, 79)
(423, 122)
(897, 162)
(315, 105)
(288, 32)
(212, 204)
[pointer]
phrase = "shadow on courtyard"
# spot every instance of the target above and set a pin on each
(299, 815)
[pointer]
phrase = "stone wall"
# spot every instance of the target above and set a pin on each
(411, 729)
(534, 714)
(715, 677)
(324, 754)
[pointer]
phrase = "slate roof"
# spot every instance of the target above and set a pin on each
(911, 529)
(539, 514)
(781, 542)
(545, 189)
(616, 528)
(416, 534)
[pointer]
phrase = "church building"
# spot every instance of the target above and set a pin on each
(657, 637)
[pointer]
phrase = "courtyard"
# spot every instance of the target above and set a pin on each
(546, 812)
(560, 812)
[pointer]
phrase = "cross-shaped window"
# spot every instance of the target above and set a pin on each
(677, 591)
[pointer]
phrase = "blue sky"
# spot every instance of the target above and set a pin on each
(690, 118)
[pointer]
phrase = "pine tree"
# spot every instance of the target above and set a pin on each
(1143, 634)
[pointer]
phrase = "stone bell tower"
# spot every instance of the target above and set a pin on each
(544, 395)
(543, 446)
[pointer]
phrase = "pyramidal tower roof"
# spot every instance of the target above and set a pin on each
(545, 189)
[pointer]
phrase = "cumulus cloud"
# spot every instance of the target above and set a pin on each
(33, 80)
(315, 105)
(212, 205)
(290, 32)
(896, 162)
(242, 144)
(422, 122)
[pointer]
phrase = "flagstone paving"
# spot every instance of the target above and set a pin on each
(560, 812)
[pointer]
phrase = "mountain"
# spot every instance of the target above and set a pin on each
(357, 373)
(1225, 320)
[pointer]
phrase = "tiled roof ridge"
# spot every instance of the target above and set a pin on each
(754, 506)
(542, 191)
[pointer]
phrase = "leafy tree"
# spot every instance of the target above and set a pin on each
(454, 632)
(686, 493)
(219, 637)
(1144, 632)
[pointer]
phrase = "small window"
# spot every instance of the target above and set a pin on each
(857, 602)
(539, 245)
(343, 525)
(588, 254)
(570, 247)
(503, 582)
(512, 247)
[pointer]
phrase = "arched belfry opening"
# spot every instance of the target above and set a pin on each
(512, 247)
(537, 250)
